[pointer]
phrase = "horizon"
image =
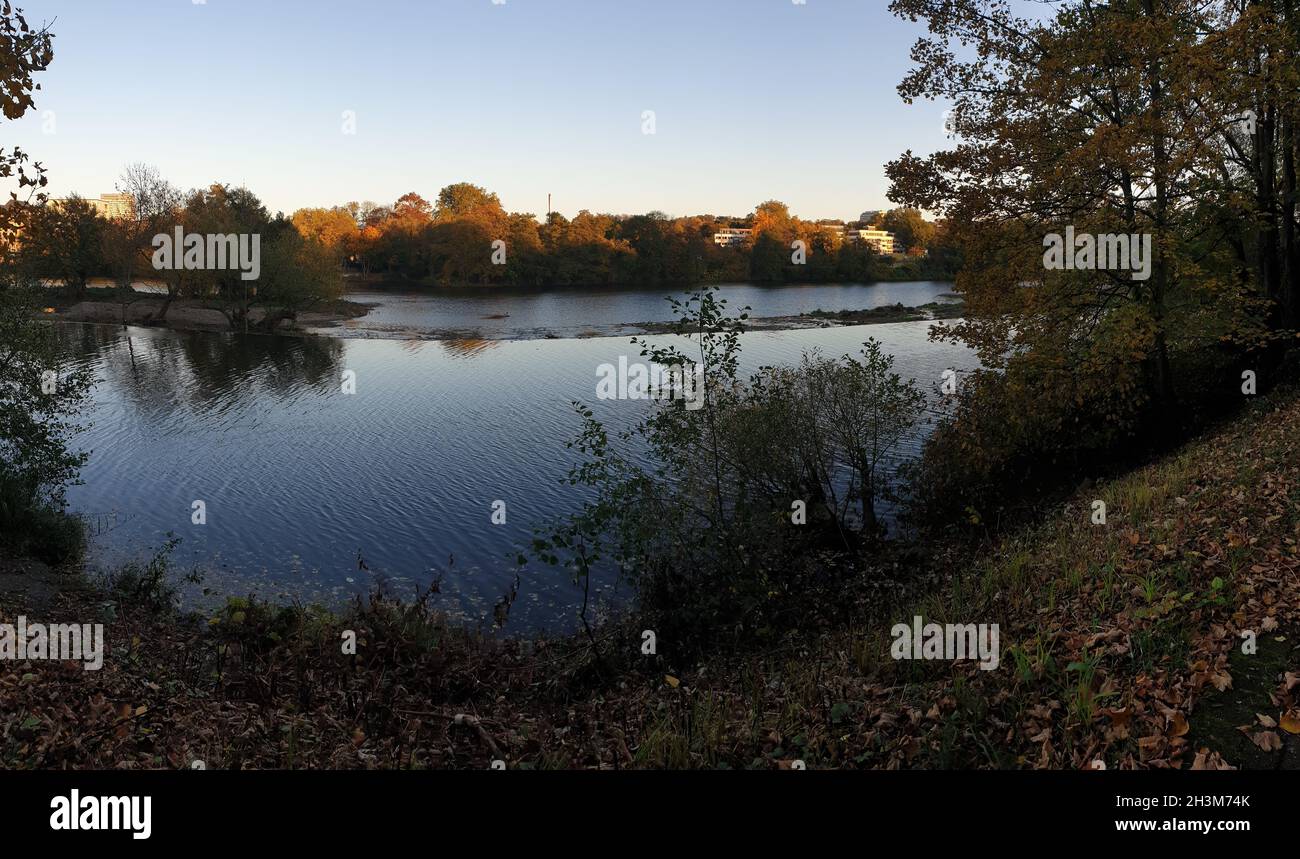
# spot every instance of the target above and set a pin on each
(426, 111)
(105, 196)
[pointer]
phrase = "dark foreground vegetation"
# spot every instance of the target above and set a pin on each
(1120, 644)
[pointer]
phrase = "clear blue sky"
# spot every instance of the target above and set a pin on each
(753, 99)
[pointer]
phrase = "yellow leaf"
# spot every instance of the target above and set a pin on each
(672, 681)
(1291, 722)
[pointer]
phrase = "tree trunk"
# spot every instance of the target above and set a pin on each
(1289, 279)
(161, 316)
(1162, 379)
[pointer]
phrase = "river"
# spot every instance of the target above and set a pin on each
(299, 480)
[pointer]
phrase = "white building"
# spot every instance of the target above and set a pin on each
(880, 239)
(729, 237)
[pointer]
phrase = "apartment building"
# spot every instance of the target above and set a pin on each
(880, 239)
(111, 206)
(729, 237)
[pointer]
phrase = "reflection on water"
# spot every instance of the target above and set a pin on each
(206, 371)
(466, 347)
(299, 477)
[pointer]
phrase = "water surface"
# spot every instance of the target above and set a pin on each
(300, 479)
(494, 312)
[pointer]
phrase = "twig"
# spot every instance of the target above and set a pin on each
(473, 722)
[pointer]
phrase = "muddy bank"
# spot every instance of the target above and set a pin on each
(361, 328)
(190, 315)
(834, 319)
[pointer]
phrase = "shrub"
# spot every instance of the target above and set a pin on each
(38, 529)
(41, 392)
(746, 505)
(146, 585)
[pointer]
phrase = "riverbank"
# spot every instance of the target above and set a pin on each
(195, 315)
(1166, 638)
(813, 319)
(830, 319)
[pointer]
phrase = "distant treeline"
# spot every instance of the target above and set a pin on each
(465, 237)
(450, 242)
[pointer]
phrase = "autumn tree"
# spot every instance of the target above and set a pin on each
(465, 200)
(361, 245)
(1087, 118)
(911, 230)
(64, 241)
(297, 273)
(1249, 95)
(128, 238)
(41, 388)
(334, 228)
(773, 219)
(403, 241)
(1123, 119)
(26, 51)
(226, 210)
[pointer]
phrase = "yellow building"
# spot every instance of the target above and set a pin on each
(111, 206)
